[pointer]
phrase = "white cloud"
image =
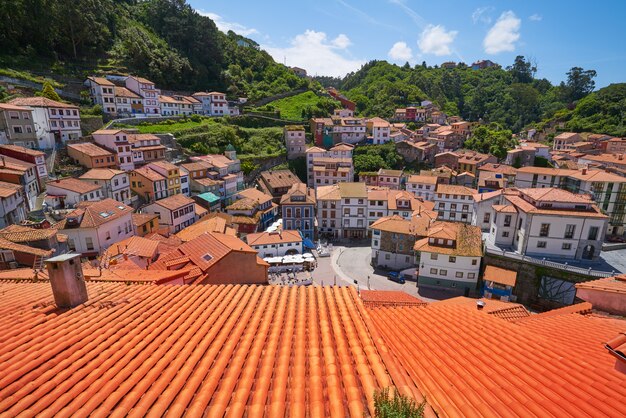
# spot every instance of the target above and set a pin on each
(400, 51)
(503, 34)
(341, 41)
(535, 17)
(314, 52)
(481, 15)
(436, 40)
(225, 26)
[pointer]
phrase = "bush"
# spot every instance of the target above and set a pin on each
(398, 406)
(196, 118)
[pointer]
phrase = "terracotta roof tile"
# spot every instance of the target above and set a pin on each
(40, 102)
(615, 284)
(500, 275)
(373, 298)
(467, 363)
(216, 222)
(90, 149)
(174, 202)
(101, 174)
(267, 238)
(74, 185)
(21, 234)
(23, 150)
(244, 350)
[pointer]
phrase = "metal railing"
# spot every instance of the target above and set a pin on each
(543, 262)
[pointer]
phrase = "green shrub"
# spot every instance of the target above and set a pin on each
(396, 406)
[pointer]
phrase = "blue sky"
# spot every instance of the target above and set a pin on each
(333, 37)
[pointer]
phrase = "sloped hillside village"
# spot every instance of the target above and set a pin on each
(305, 291)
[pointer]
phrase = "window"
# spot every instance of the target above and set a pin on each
(593, 233)
(541, 244)
(108, 235)
(89, 243)
(452, 259)
(507, 220)
(465, 208)
(474, 262)
(443, 272)
(17, 129)
(566, 246)
(545, 230)
(387, 256)
(569, 231)
(505, 234)
(434, 256)
(487, 218)
(471, 275)
(459, 275)
(433, 271)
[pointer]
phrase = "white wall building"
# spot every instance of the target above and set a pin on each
(68, 192)
(422, 186)
(55, 122)
(548, 222)
(275, 244)
(295, 138)
(94, 226)
(13, 207)
(380, 130)
(176, 212)
(450, 256)
(148, 92)
(114, 183)
(454, 203)
(213, 103)
(102, 92)
(329, 167)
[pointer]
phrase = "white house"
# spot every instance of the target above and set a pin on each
(115, 183)
(454, 203)
(294, 140)
(422, 186)
(13, 207)
(94, 226)
(342, 210)
(329, 167)
(55, 122)
(450, 256)
(548, 222)
(148, 92)
(22, 173)
(68, 192)
(275, 244)
(117, 141)
(213, 103)
(176, 212)
(380, 130)
(102, 92)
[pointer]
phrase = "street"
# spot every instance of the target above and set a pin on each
(349, 265)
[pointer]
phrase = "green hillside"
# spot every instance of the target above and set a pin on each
(302, 106)
(166, 41)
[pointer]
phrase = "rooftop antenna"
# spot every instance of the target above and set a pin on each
(285, 60)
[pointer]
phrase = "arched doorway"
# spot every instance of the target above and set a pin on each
(588, 252)
(291, 252)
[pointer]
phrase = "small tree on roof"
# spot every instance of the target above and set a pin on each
(396, 406)
(48, 91)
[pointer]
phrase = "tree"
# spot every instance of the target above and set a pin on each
(491, 140)
(48, 91)
(579, 83)
(522, 70)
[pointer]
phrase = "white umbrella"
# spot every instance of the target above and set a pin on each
(307, 255)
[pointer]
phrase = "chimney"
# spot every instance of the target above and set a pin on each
(67, 280)
(480, 304)
(584, 170)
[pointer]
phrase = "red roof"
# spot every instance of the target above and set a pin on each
(467, 363)
(194, 350)
(373, 298)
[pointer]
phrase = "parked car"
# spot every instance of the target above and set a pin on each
(394, 276)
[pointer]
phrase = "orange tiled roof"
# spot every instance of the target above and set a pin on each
(467, 363)
(90, 149)
(174, 202)
(5, 244)
(267, 238)
(97, 213)
(23, 150)
(216, 222)
(373, 298)
(74, 185)
(21, 234)
(615, 284)
(243, 350)
(40, 102)
(140, 219)
(455, 189)
(500, 275)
